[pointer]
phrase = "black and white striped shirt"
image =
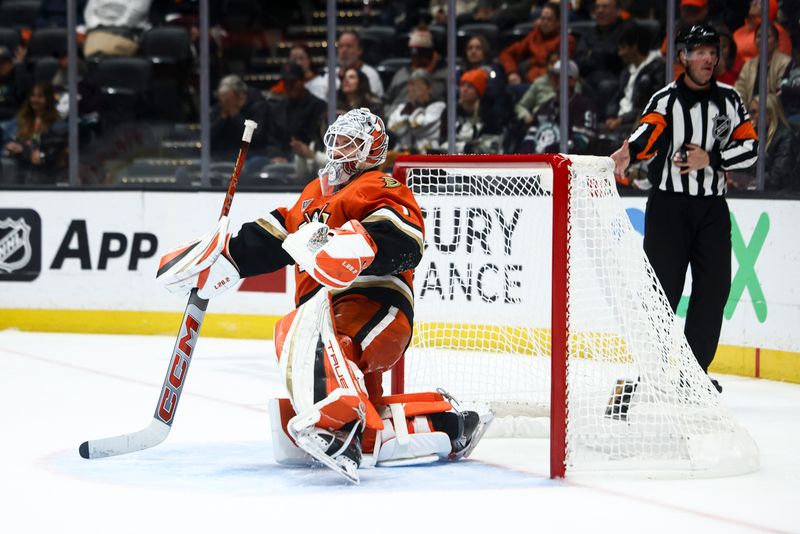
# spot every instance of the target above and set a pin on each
(715, 120)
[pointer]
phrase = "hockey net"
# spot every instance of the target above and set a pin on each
(534, 296)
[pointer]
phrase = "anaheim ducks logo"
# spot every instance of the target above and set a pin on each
(389, 182)
(318, 215)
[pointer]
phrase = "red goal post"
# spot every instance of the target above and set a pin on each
(586, 338)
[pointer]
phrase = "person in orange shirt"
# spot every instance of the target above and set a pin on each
(543, 39)
(746, 45)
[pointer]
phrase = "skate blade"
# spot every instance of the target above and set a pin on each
(348, 472)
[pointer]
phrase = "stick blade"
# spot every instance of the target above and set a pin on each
(150, 436)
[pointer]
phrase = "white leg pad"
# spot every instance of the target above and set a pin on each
(395, 446)
(284, 449)
(311, 358)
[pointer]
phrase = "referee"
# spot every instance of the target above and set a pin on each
(694, 129)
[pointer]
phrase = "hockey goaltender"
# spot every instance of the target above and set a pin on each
(355, 236)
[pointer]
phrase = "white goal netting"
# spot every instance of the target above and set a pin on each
(637, 399)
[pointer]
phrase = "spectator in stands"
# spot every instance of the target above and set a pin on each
(502, 14)
(544, 134)
(39, 146)
(15, 82)
(89, 95)
(477, 129)
(348, 54)
(355, 93)
(423, 56)
(415, 124)
(780, 150)
(777, 65)
(113, 28)
(596, 52)
(790, 91)
(478, 54)
(729, 65)
(299, 117)
(539, 92)
(692, 12)
(780, 146)
(642, 77)
(235, 103)
(534, 48)
(746, 44)
(317, 85)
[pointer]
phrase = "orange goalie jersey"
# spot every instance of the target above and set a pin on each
(375, 312)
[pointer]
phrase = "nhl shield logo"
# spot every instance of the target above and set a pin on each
(17, 239)
(20, 241)
(721, 127)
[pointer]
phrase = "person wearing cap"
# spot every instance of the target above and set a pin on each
(544, 38)
(478, 128)
(316, 84)
(300, 117)
(415, 124)
(543, 136)
(692, 131)
(423, 56)
(746, 44)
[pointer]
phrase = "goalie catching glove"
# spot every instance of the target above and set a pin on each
(203, 263)
(334, 257)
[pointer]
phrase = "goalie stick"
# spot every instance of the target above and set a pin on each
(158, 429)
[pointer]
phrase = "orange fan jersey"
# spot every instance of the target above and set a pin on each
(387, 210)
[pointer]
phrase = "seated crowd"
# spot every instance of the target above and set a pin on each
(507, 95)
(507, 100)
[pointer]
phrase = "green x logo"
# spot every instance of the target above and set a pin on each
(745, 277)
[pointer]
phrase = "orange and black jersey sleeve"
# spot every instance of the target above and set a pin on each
(256, 249)
(391, 215)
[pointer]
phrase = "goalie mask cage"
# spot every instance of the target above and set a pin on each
(534, 296)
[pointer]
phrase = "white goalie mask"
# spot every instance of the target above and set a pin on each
(355, 142)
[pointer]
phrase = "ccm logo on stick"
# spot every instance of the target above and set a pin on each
(177, 374)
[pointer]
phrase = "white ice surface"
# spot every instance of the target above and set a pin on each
(215, 472)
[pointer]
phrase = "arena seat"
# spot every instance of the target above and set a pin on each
(9, 37)
(47, 42)
(20, 14)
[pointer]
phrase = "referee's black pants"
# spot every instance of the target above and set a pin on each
(684, 231)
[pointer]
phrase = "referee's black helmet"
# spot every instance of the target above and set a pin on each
(697, 35)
